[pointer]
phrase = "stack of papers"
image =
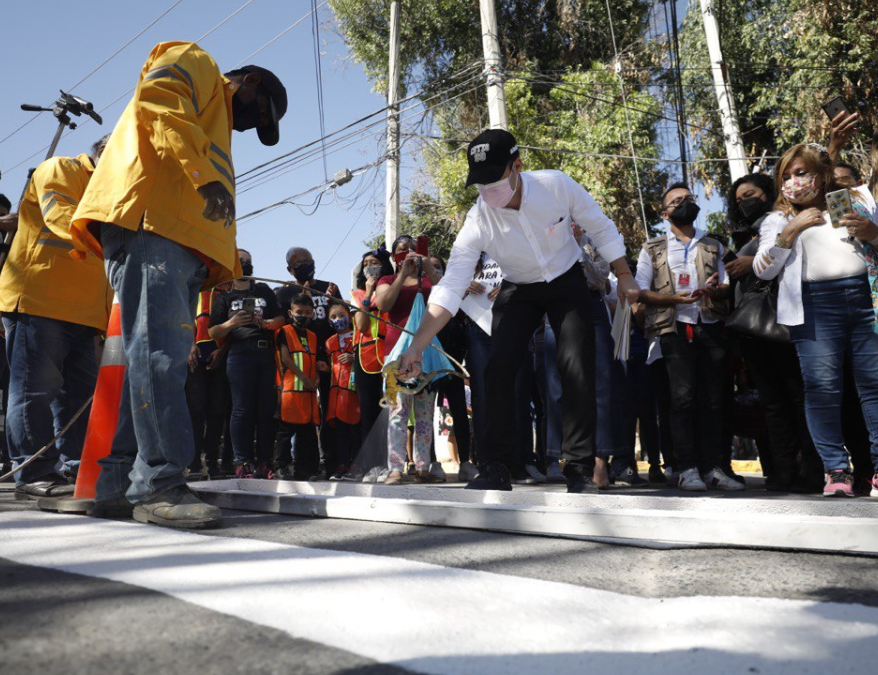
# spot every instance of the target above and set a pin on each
(621, 331)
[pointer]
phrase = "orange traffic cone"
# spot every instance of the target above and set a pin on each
(101, 422)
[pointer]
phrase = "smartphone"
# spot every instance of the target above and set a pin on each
(838, 204)
(422, 246)
(249, 305)
(834, 107)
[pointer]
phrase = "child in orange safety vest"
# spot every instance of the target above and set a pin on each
(300, 413)
(343, 411)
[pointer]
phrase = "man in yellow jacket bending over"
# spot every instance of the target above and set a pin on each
(160, 211)
(53, 308)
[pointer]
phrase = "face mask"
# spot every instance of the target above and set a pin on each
(245, 115)
(247, 268)
(304, 271)
(801, 189)
(340, 325)
(498, 195)
(685, 213)
(302, 321)
(753, 209)
(372, 271)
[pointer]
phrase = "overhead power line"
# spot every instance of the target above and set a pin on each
(279, 35)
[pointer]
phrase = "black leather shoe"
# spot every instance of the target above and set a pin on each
(495, 476)
(119, 508)
(579, 484)
(54, 486)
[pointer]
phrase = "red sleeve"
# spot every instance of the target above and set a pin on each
(386, 281)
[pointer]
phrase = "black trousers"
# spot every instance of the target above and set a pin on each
(658, 374)
(518, 311)
(346, 443)
(327, 432)
(774, 369)
(209, 400)
(695, 371)
(307, 453)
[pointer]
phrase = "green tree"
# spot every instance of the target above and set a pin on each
(563, 95)
(785, 58)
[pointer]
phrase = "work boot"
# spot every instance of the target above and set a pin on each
(178, 507)
(50, 486)
(119, 508)
(495, 476)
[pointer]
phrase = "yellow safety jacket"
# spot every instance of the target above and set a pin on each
(39, 277)
(174, 136)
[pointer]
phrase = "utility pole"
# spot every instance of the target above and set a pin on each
(731, 130)
(391, 214)
(493, 66)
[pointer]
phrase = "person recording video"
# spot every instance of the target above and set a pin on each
(246, 318)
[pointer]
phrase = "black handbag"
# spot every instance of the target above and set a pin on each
(756, 313)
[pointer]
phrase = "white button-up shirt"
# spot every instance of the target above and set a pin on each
(681, 259)
(531, 244)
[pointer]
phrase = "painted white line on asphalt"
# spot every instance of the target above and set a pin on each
(449, 621)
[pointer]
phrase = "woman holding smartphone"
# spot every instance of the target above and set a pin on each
(825, 298)
(395, 295)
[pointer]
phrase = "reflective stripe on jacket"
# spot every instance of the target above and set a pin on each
(370, 347)
(299, 406)
(39, 277)
(174, 137)
(344, 405)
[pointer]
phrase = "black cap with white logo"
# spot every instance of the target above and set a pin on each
(488, 155)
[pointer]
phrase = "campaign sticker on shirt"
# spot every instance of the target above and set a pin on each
(683, 279)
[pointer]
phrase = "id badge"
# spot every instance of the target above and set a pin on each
(683, 280)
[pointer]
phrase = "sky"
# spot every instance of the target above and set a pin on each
(61, 43)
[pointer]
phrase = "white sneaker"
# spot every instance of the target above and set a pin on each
(437, 470)
(554, 474)
(371, 476)
(382, 475)
(718, 480)
(534, 473)
(466, 472)
(691, 481)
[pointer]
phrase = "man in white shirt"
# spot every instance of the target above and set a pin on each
(684, 287)
(523, 221)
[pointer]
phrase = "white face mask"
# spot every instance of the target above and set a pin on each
(498, 195)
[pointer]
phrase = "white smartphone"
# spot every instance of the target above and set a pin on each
(838, 204)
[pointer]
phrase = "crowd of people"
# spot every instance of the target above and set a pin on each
(766, 331)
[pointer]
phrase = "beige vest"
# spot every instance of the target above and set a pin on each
(663, 319)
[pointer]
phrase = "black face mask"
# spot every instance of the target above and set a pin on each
(304, 272)
(685, 213)
(247, 268)
(245, 115)
(302, 321)
(753, 209)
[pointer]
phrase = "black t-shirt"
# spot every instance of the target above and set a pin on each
(320, 324)
(229, 304)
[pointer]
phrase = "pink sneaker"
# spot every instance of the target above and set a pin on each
(243, 470)
(874, 491)
(839, 483)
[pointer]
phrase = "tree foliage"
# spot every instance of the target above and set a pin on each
(785, 58)
(563, 96)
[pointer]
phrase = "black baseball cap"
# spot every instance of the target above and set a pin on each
(272, 87)
(488, 155)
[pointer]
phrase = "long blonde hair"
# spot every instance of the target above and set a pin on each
(816, 160)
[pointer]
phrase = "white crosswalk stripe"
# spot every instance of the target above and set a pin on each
(450, 621)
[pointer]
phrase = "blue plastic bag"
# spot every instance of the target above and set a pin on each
(432, 361)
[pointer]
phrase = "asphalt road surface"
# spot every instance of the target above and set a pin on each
(280, 594)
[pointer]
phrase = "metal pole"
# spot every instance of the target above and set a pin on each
(391, 215)
(493, 66)
(731, 130)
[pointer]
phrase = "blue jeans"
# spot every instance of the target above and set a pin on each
(251, 371)
(609, 388)
(478, 344)
(156, 282)
(838, 322)
(53, 371)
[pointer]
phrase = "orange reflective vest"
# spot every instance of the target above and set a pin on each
(343, 402)
(298, 406)
(202, 315)
(370, 346)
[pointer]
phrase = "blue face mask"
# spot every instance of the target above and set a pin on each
(340, 325)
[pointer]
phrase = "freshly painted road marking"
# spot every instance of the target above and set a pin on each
(450, 621)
